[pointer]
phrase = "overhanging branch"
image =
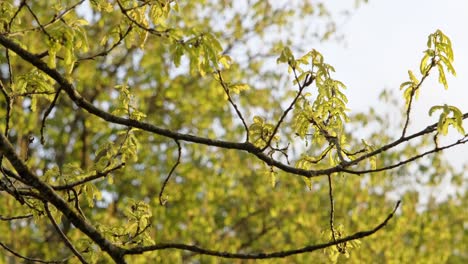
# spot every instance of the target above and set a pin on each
(278, 254)
(245, 146)
(47, 192)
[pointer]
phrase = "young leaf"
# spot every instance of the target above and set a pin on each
(442, 78)
(225, 60)
(413, 78)
(237, 88)
(286, 56)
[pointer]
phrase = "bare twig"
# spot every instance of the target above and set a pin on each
(37, 21)
(28, 258)
(236, 108)
(47, 112)
(97, 175)
(19, 217)
(332, 214)
(63, 236)
(163, 201)
(8, 108)
(77, 202)
(401, 163)
(332, 207)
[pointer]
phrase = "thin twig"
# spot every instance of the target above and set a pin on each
(31, 93)
(332, 213)
(8, 185)
(321, 157)
(37, 21)
(236, 108)
(28, 258)
(77, 202)
(308, 81)
(97, 175)
(137, 233)
(19, 217)
(163, 201)
(413, 92)
(54, 19)
(110, 49)
(150, 30)
(332, 207)
(21, 5)
(401, 163)
(62, 235)
(47, 112)
(8, 99)
(8, 108)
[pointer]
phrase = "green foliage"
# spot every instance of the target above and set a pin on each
(444, 121)
(439, 54)
(165, 138)
(260, 132)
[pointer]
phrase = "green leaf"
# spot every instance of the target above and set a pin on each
(442, 78)
(177, 54)
(272, 175)
(225, 60)
(373, 162)
(258, 119)
(413, 78)
(448, 64)
(308, 182)
(424, 66)
(430, 39)
(434, 108)
(445, 121)
(286, 56)
(405, 84)
(237, 88)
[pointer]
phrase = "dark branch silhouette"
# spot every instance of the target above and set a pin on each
(277, 254)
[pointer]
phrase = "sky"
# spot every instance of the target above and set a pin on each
(385, 39)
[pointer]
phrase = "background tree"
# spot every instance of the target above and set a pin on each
(192, 132)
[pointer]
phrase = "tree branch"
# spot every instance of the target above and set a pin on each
(278, 254)
(51, 196)
(246, 146)
(99, 174)
(403, 162)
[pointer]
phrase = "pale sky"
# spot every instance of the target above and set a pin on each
(384, 39)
